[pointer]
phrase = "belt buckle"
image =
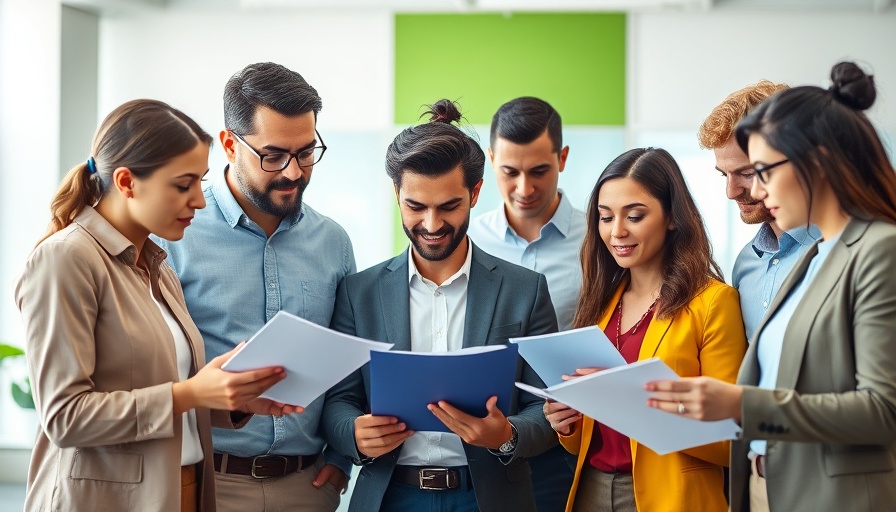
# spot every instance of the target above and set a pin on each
(256, 465)
(428, 477)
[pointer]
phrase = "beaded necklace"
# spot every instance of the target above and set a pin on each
(633, 329)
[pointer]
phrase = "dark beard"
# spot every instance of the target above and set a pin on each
(263, 200)
(456, 237)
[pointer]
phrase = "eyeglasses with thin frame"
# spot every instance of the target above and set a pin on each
(277, 161)
(762, 171)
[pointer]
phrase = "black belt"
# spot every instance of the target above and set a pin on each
(264, 466)
(429, 478)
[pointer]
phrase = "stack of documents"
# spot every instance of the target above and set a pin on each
(616, 397)
(315, 358)
(403, 384)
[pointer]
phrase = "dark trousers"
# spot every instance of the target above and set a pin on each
(401, 497)
(552, 474)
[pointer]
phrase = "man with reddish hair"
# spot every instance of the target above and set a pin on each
(765, 261)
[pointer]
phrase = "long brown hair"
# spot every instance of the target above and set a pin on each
(687, 256)
(141, 135)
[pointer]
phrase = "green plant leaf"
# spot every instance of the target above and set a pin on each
(9, 351)
(21, 393)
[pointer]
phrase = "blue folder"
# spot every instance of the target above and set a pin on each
(402, 384)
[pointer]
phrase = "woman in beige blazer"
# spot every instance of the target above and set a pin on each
(117, 367)
(816, 394)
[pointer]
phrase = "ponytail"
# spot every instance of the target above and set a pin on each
(79, 188)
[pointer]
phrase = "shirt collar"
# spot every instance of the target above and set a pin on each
(561, 219)
(232, 211)
(766, 241)
(114, 243)
(463, 271)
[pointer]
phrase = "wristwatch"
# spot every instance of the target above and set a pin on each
(509, 446)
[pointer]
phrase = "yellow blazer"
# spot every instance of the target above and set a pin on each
(705, 338)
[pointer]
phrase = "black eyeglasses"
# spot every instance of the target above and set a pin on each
(277, 161)
(762, 172)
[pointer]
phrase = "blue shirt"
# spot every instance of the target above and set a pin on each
(761, 267)
(235, 279)
(771, 339)
(555, 253)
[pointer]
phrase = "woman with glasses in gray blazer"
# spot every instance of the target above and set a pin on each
(816, 394)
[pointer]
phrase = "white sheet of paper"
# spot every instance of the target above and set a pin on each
(553, 355)
(315, 358)
(617, 398)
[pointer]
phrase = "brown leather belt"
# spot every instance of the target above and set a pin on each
(264, 466)
(429, 478)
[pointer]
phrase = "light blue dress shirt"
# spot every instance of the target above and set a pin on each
(555, 253)
(761, 267)
(771, 339)
(235, 279)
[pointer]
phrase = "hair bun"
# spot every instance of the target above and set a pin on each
(443, 111)
(852, 86)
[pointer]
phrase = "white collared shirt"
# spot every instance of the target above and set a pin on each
(438, 315)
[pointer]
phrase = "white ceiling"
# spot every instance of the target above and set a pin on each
(111, 6)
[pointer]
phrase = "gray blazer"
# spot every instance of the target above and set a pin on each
(503, 300)
(831, 422)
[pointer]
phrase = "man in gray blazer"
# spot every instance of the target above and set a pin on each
(442, 294)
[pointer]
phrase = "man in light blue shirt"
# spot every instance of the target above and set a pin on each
(537, 228)
(254, 250)
(763, 263)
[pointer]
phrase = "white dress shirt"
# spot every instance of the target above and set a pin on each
(438, 315)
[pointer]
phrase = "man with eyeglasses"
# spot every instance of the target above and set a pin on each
(765, 261)
(254, 250)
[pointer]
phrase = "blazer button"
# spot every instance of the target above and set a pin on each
(762, 427)
(779, 429)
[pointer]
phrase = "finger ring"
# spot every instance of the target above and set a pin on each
(681, 409)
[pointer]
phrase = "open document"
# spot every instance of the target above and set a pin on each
(315, 358)
(560, 353)
(617, 398)
(402, 384)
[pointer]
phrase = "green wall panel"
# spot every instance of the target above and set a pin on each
(575, 61)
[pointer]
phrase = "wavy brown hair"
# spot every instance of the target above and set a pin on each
(687, 256)
(141, 135)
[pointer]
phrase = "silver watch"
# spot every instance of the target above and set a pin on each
(509, 446)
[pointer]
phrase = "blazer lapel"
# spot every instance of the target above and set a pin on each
(395, 300)
(749, 369)
(482, 297)
(800, 324)
(656, 330)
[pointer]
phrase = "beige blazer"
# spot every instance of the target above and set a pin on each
(101, 361)
(831, 424)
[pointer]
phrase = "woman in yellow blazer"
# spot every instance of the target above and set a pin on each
(649, 278)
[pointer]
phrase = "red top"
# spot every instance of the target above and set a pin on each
(610, 451)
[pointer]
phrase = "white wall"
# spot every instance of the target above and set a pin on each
(29, 158)
(682, 64)
(185, 57)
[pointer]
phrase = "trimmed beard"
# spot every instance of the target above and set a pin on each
(456, 237)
